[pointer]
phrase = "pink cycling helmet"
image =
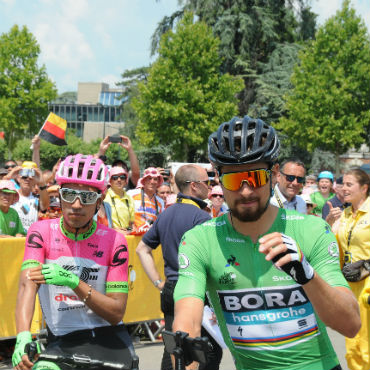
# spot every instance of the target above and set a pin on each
(83, 169)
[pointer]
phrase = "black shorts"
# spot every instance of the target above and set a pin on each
(108, 343)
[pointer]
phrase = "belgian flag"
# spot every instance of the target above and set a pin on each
(54, 130)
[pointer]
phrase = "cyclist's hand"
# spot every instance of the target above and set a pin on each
(286, 255)
(20, 359)
(57, 275)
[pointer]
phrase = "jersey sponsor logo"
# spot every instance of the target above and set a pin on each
(34, 240)
(333, 249)
(91, 245)
(231, 261)
(241, 301)
(281, 278)
(12, 224)
(87, 273)
(98, 254)
(227, 278)
(268, 318)
(117, 259)
(183, 261)
(54, 226)
(292, 217)
(65, 297)
(214, 224)
(101, 232)
(327, 229)
(234, 240)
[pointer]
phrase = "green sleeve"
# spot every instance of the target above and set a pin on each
(20, 229)
(192, 266)
(324, 253)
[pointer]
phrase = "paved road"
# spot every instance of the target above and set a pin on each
(150, 354)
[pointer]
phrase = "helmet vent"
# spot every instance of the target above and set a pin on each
(89, 174)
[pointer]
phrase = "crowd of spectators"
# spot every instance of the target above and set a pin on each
(134, 200)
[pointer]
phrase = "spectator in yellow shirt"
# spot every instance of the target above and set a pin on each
(121, 203)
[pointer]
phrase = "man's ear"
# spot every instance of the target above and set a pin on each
(275, 174)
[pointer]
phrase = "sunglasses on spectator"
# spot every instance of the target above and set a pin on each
(54, 209)
(217, 196)
(7, 166)
(291, 178)
(207, 182)
(255, 179)
(86, 197)
(116, 177)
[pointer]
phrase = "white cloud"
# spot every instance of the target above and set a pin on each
(111, 79)
(63, 44)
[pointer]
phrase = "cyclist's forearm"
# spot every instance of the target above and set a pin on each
(111, 307)
(25, 306)
(336, 306)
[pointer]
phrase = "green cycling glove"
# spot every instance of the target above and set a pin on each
(23, 338)
(56, 275)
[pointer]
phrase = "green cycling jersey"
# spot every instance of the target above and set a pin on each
(265, 317)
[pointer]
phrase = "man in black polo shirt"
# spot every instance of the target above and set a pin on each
(167, 230)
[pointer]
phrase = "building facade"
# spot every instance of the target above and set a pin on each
(97, 112)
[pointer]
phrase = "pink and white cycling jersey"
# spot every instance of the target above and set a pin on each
(98, 257)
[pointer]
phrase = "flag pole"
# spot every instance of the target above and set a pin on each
(31, 147)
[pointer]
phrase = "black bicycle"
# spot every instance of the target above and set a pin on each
(186, 349)
(81, 361)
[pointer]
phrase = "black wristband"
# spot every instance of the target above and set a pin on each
(43, 187)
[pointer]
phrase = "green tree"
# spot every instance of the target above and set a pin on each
(259, 40)
(329, 107)
(186, 97)
(131, 79)
(68, 97)
(25, 88)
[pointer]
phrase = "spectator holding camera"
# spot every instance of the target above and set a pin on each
(125, 143)
(28, 175)
(147, 204)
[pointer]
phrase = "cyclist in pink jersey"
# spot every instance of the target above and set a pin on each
(79, 268)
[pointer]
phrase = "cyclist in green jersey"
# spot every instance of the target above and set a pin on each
(272, 274)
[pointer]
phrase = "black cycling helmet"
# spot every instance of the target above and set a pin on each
(243, 140)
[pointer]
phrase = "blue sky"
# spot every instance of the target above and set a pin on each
(96, 40)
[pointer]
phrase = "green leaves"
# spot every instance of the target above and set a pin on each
(25, 88)
(185, 96)
(329, 107)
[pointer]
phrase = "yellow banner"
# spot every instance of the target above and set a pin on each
(11, 256)
(143, 299)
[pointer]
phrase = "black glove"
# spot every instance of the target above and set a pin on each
(299, 268)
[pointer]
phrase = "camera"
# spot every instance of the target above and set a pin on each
(27, 172)
(166, 173)
(115, 139)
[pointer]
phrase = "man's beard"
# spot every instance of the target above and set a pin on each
(249, 215)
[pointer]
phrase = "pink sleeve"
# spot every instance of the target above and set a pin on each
(35, 243)
(117, 275)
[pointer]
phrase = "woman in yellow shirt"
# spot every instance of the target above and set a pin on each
(354, 240)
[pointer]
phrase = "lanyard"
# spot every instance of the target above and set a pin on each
(281, 205)
(351, 230)
(143, 203)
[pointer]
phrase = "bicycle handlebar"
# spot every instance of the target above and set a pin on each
(84, 361)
